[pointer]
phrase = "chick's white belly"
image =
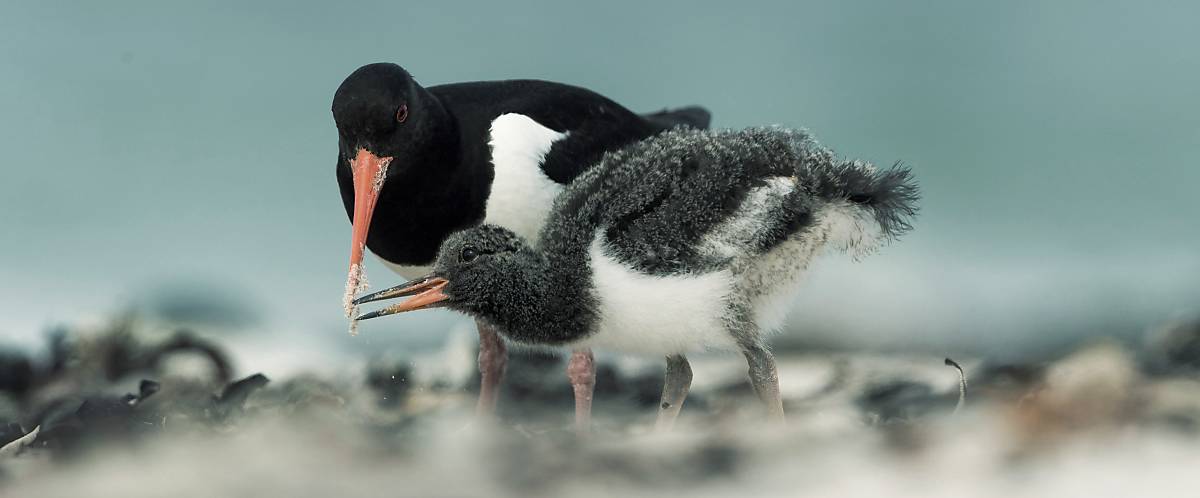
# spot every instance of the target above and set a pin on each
(640, 313)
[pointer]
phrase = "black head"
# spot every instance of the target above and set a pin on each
(382, 109)
(487, 267)
(486, 271)
(492, 274)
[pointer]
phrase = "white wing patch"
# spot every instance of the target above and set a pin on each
(745, 227)
(651, 314)
(521, 194)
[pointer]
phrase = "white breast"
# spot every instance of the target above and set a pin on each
(642, 313)
(521, 194)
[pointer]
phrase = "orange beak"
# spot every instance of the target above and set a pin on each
(426, 293)
(368, 171)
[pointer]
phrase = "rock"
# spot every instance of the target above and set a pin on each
(1174, 349)
(902, 401)
(16, 372)
(391, 382)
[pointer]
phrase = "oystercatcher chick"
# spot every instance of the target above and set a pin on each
(416, 164)
(688, 241)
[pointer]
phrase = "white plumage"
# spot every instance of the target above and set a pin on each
(642, 313)
(521, 194)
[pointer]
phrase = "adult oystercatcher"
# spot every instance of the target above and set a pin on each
(416, 164)
(686, 241)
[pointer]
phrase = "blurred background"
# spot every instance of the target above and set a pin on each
(178, 158)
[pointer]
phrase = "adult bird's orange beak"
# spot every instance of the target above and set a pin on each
(368, 171)
(426, 293)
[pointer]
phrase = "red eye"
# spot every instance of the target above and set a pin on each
(402, 113)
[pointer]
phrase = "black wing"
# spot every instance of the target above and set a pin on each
(694, 117)
(595, 124)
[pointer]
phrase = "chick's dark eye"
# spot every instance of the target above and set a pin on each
(402, 113)
(468, 254)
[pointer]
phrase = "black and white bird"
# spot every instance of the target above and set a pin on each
(416, 164)
(687, 241)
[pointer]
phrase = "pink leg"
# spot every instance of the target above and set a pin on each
(493, 357)
(582, 372)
